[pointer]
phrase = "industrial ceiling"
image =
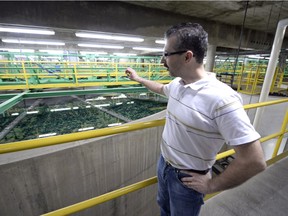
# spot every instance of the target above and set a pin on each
(259, 16)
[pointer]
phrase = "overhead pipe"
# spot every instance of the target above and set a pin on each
(279, 36)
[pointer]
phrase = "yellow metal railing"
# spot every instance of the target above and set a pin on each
(17, 146)
(46, 74)
(55, 140)
(249, 79)
(137, 186)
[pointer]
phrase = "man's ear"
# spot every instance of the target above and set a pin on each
(189, 55)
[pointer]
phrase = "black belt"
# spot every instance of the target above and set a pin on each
(202, 172)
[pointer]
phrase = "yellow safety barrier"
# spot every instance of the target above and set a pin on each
(55, 140)
(54, 74)
(17, 146)
(48, 74)
(249, 78)
(103, 198)
(42, 142)
(137, 186)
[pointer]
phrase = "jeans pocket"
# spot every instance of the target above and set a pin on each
(179, 176)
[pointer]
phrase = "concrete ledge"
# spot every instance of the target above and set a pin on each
(41, 180)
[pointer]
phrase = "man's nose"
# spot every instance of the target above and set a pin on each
(163, 59)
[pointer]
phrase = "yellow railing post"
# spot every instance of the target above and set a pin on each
(283, 129)
(116, 69)
(149, 72)
(25, 74)
(239, 79)
(255, 81)
(75, 74)
(66, 76)
(248, 79)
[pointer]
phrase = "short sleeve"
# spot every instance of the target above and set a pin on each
(233, 122)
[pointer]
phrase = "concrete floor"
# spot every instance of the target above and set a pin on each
(263, 195)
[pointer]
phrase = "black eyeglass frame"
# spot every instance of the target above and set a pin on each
(165, 54)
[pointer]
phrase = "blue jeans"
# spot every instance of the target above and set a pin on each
(175, 198)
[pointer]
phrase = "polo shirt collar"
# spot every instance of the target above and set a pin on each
(198, 84)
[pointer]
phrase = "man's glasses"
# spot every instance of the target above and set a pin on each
(165, 54)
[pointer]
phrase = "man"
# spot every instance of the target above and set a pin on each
(202, 114)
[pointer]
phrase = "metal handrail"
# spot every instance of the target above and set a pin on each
(125, 190)
(131, 188)
(121, 129)
(32, 74)
(60, 139)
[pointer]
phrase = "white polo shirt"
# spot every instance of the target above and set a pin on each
(200, 118)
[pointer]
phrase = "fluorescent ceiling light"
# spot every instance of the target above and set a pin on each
(101, 46)
(124, 54)
(27, 30)
(148, 49)
(92, 53)
(254, 56)
(52, 51)
(160, 41)
(109, 37)
(33, 42)
(17, 50)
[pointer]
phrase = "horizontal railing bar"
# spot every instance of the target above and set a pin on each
(266, 103)
(30, 95)
(109, 131)
(269, 162)
(263, 139)
(102, 198)
(128, 189)
(37, 143)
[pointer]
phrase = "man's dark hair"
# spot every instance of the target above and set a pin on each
(190, 36)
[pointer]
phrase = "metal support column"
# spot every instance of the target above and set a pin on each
(279, 36)
(210, 58)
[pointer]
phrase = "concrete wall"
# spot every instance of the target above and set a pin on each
(38, 181)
